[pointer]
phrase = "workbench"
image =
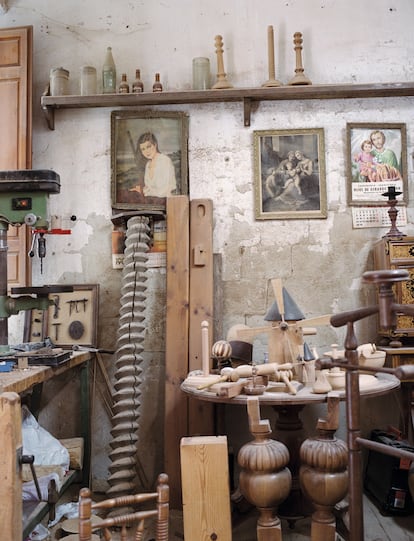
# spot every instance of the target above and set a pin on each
(21, 381)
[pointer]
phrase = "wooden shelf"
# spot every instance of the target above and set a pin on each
(248, 96)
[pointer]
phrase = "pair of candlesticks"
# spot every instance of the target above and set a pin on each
(298, 79)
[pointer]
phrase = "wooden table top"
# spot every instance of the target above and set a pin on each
(21, 380)
(385, 383)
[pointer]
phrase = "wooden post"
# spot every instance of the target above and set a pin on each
(10, 468)
(201, 414)
(206, 492)
(176, 350)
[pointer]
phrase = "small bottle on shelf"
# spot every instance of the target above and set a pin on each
(157, 86)
(137, 85)
(123, 85)
(109, 73)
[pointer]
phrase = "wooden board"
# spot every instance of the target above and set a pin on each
(10, 472)
(176, 349)
(206, 493)
(201, 415)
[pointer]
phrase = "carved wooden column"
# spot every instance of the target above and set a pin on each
(264, 480)
(323, 474)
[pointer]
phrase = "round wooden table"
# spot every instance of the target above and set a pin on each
(289, 427)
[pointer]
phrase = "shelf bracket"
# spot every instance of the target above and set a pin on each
(247, 107)
(49, 113)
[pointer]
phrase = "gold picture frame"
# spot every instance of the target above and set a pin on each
(376, 161)
(149, 158)
(289, 174)
(71, 320)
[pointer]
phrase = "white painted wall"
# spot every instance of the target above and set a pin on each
(320, 261)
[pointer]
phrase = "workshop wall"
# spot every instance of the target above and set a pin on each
(319, 260)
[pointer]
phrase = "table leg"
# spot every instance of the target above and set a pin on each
(290, 431)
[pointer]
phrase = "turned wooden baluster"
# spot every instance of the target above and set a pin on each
(221, 74)
(299, 78)
(264, 480)
(323, 473)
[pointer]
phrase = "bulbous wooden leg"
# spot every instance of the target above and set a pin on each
(264, 480)
(323, 474)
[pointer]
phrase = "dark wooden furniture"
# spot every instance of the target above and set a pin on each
(398, 357)
(397, 254)
(124, 515)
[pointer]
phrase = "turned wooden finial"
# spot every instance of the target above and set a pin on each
(299, 77)
(221, 75)
(272, 81)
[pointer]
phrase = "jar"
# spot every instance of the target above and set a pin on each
(88, 81)
(201, 73)
(59, 82)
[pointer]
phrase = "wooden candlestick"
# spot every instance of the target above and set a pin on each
(205, 350)
(300, 77)
(272, 81)
(221, 75)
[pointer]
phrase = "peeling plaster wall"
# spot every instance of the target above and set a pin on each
(319, 261)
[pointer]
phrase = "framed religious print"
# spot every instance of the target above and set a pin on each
(376, 161)
(148, 158)
(289, 174)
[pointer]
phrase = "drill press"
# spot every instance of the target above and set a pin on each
(23, 200)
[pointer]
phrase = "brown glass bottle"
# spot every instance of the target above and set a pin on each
(137, 85)
(157, 86)
(123, 85)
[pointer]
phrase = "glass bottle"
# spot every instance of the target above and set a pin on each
(123, 86)
(88, 81)
(157, 86)
(201, 73)
(137, 85)
(109, 73)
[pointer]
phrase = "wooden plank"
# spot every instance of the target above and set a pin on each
(10, 471)
(176, 348)
(201, 415)
(206, 493)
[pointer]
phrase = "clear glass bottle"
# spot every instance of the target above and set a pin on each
(157, 86)
(123, 85)
(88, 81)
(201, 73)
(137, 85)
(109, 73)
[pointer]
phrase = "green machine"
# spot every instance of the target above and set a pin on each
(23, 200)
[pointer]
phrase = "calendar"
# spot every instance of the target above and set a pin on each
(376, 217)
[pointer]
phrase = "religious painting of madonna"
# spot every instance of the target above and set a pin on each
(376, 162)
(149, 158)
(290, 181)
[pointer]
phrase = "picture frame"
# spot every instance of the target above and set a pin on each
(149, 158)
(289, 174)
(379, 165)
(71, 320)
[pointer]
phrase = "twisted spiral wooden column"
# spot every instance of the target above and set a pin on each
(323, 472)
(264, 480)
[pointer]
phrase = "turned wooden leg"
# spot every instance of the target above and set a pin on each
(323, 474)
(264, 480)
